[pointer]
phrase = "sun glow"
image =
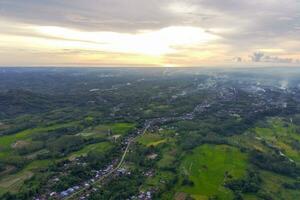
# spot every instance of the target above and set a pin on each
(158, 42)
(52, 45)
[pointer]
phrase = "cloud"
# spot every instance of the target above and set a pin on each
(238, 59)
(276, 59)
(257, 56)
(94, 15)
(242, 26)
(261, 57)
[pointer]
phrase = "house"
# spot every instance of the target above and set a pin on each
(76, 187)
(152, 156)
(52, 194)
(70, 190)
(64, 194)
(148, 195)
(121, 171)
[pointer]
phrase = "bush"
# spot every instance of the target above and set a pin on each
(250, 184)
(275, 163)
(187, 182)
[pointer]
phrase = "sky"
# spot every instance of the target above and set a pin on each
(163, 33)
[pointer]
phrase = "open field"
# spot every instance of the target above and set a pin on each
(14, 181)
(116, 128)
(7, 141)
(99, 147)
(104, 130)
(272, 183)
(206, 168)
(151, 139)
(281, 135)
(158, 179)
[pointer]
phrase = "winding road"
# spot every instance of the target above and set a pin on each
(77, 193)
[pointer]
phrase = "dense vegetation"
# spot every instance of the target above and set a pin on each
(191, 134)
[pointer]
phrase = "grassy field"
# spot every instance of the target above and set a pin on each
(151, 139)
(14, 181)
(167, 160)
(103, 130)
(281, 135)
(121, 128)
(7, 141)
(206, 167)
(158, 179)
(272, 183)
(116, 128)
(99, 147)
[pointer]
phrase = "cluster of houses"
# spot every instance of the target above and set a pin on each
(86, 184)
(67, 192)
(143, 196)
(123, 171)
(62, 194)
(149, 173)
(98, 175)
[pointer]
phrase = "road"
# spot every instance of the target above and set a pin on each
(187, 116)
(127, 148)
(113, 170)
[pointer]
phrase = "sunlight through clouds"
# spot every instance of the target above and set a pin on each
(181, 8)
(168, 32)
(158, 42)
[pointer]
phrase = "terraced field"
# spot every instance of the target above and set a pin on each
(14, 181)
(281, 135)
(273, 184)
(207, 167)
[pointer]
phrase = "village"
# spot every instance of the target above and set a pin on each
(132, 149)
